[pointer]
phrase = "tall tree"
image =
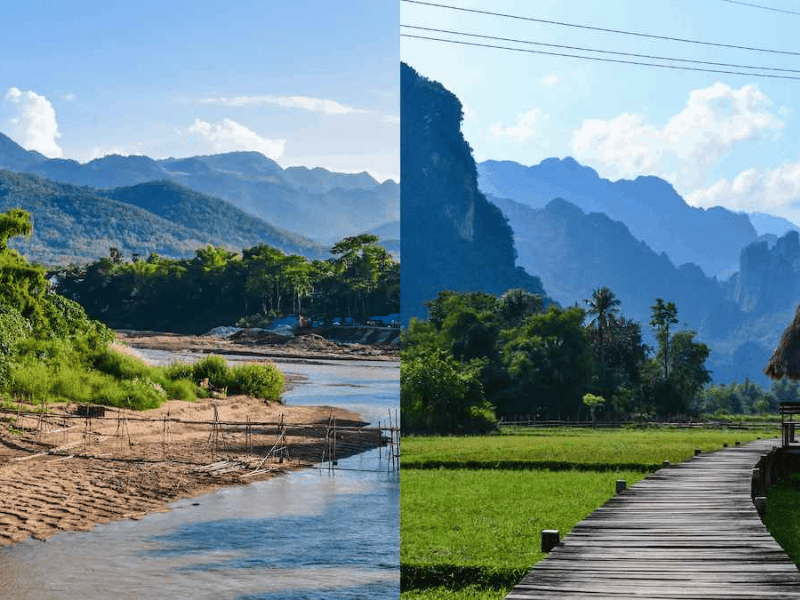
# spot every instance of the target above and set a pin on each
(664, 315)
(604, 307)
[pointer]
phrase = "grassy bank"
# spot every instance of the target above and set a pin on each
(472, 508)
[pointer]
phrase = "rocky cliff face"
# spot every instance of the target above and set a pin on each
(769, 277)
(452, 237)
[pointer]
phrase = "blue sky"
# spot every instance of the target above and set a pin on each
(307, 83)
(720, 139)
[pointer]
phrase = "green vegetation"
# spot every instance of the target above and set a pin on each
(473, 508)
(50, 351)
(220, 287)
(478, 356)
(783, 516)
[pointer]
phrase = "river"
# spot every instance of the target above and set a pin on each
(309, 535)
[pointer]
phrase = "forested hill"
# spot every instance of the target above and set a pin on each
(80, 224)
(453, 238)
(316, 203)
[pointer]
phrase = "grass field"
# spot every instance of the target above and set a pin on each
(783, 516)
(472, 508)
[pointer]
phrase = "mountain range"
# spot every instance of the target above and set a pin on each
(315, 203)
(80, 224)
(649, 206)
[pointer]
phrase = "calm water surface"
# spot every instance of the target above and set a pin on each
(311, 535)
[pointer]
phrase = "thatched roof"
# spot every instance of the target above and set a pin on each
(785, 361)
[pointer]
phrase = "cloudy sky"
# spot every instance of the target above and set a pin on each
(721, 139)
(305, 83)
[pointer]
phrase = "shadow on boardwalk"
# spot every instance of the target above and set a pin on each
(688, 531)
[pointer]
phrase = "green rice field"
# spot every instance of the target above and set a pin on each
(473, 508)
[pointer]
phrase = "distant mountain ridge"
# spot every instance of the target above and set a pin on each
(741, 318)
(649, 206)
(80, 224)
(313, 202)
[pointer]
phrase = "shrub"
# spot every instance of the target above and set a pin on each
(214, 368)
(178, 370)
(256, 380)
(121, 365)
(180, 389)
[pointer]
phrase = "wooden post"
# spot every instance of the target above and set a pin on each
(761, 504)
(756, 483)
(621, 485)
(550, 539)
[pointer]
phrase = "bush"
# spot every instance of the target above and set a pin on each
(122, 366)
(256, 380)
(180, 389)
(178, 370)
(214, 368)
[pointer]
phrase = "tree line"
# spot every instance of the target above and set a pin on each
(221, 287)
(479, 357)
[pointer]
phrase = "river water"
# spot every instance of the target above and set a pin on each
(308, 535)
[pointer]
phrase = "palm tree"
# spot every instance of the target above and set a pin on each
(604, 307)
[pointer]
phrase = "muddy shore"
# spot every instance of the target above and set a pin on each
(262, 345)
(68, 472)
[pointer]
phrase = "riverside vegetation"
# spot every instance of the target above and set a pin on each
(221, 287)
(51, 351)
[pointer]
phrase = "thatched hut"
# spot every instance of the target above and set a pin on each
(785, 361)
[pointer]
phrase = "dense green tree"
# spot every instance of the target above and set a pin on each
(548, 360)
(440, 394)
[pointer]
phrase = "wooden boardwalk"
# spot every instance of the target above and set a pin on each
(688, 531)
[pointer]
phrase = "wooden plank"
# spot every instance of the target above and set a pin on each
(688, 531)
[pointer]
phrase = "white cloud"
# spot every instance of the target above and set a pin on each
(320, 105)
(551, 80)
(521, 130)
(767, 190)
(69, 97)
(684, 150)
(228, 136)
(32, 121)
(101, 151)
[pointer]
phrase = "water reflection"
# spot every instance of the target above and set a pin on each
(311, 534)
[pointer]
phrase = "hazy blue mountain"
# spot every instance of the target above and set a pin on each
(215, 218)
(453, 237)
(649, 206)
(319, 180)
(768, 280)
(741, 318)
(14, 157)
(574, 253)
(80, 224)
(389, 236)
(765, 224)
(107, 172)
(316, 203)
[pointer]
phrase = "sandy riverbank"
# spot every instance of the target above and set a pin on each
(261, 344)
(68, 472)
